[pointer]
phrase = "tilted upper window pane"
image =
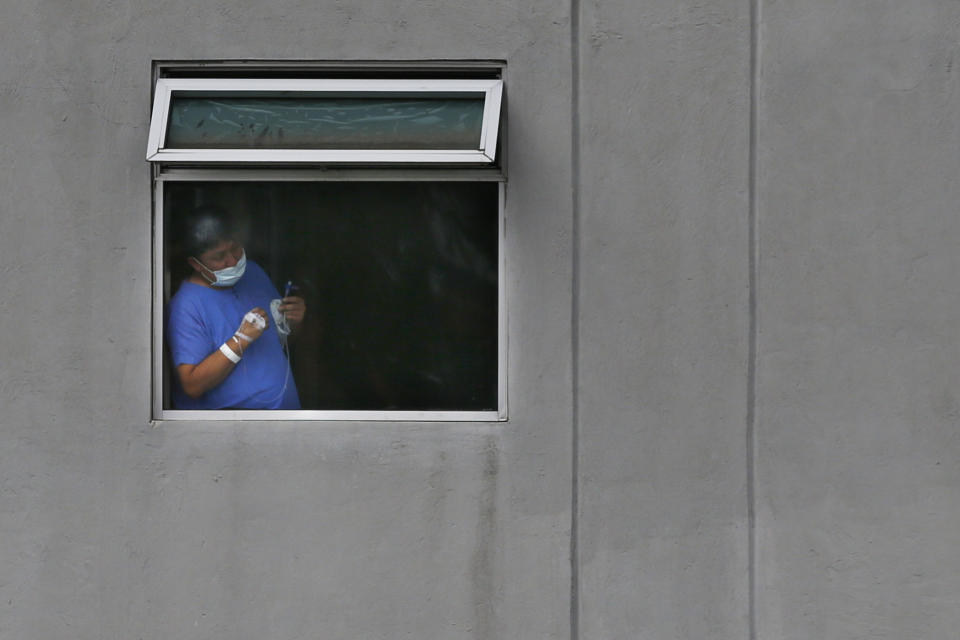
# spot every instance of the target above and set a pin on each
(325, 123)
(318, 121)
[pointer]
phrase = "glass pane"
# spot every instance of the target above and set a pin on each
(324, 123)
(400, 281)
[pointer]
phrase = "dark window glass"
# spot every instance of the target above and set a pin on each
(400, 280)
(324, 123)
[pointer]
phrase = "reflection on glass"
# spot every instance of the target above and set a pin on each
(325, 123)
(400, 281)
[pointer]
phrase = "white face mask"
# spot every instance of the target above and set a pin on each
(229, 276)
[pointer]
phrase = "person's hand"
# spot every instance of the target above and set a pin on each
(294, 309)
(250, 329)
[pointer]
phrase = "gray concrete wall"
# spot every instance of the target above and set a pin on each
(858, 488)
(114, 528)
(663, 319)
(686, 371)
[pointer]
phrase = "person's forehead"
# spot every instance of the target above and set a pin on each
(221, 247)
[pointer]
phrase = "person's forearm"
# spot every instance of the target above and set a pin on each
(197, 379)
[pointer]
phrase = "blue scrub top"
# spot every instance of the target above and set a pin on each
(203, 318)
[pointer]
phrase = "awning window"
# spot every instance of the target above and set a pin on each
(228, 120)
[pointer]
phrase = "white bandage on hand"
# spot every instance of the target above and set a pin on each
(255, 319)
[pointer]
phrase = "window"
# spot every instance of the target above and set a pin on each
(315, 121)
(381, 200)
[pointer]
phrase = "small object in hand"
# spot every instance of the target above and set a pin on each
(279, 318)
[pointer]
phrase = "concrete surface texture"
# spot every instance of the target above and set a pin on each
(858, 508)
(731, 297)
(663, 319)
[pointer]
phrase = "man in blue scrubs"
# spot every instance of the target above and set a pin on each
(227, 352)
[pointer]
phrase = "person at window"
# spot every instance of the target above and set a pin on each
(226, 349)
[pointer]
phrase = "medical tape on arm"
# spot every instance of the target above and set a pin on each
(253, 318)
(227, 351)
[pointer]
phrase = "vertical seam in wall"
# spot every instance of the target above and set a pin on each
(575, 319)
(753, 277)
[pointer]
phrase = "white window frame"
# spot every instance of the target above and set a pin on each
(293, 175)
(165, 88)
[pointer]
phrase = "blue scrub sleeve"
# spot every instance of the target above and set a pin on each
(188, 338)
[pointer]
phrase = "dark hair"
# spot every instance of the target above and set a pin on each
(205, 227)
